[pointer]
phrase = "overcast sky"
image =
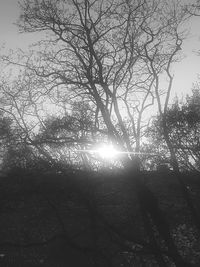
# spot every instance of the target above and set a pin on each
(9, 12)
(185, 72)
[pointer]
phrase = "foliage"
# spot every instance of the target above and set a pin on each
(15, 152)
(183, 124)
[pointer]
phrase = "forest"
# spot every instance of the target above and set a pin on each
(99, 164)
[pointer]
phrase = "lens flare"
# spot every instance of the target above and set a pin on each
(107, 151)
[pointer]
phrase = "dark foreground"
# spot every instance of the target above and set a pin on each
(84, 219)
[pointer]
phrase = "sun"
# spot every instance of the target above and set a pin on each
(107, 151)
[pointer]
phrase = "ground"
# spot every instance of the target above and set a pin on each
(90, 219)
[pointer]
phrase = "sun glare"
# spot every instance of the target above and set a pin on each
(107, 152)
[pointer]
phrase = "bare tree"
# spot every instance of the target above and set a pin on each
(112, 53)
(117, 54)
(163, 107)
(193, 8)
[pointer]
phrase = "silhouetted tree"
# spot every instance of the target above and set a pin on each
(183, 124)
(111, 53)
(193, 9)
(114, 54)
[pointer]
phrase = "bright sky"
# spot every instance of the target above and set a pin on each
(185, 72)
(10, 37)
(9, 13)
